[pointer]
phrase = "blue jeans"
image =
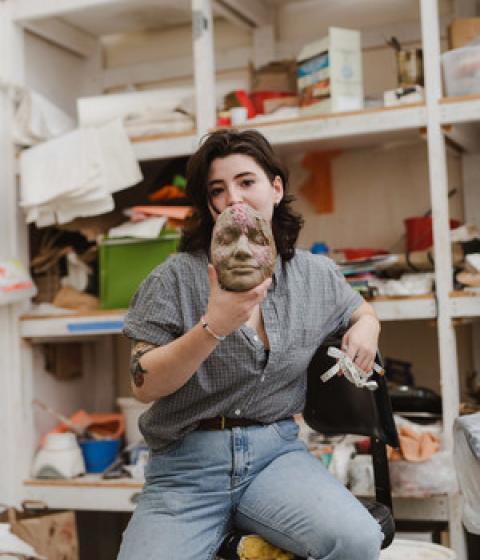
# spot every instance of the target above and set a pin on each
(260, 478)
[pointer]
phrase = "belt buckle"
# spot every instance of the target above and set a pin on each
(222, 422)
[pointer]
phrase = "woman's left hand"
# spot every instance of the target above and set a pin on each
(360, 342)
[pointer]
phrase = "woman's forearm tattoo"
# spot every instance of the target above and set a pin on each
(137, 372)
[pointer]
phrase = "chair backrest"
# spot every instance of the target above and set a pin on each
(339, 407)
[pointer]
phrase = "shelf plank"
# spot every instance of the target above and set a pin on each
(92, 493)
(165, 145)
(464, 304)
(405, 308)
(85, 493)
(79, 325)
(104, 17)
(455, 110)
(347, 129)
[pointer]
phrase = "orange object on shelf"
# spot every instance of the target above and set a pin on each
(167, 192)
(101, 424)
(174, 212)
(415, 447)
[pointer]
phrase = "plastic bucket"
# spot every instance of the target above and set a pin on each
(99, 453)
(132, 409)
(401, 549)
(419, 232)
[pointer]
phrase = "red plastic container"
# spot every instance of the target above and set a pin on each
(419, 232)
(357, 254)
(258, 97)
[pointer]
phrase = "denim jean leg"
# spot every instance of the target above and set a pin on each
(296, 504)
(185, 507)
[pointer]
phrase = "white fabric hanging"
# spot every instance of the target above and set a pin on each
(36, 119)
(75, 175)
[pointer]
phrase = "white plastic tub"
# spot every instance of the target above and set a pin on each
(132, 409)
(462, 70)
(402, 549)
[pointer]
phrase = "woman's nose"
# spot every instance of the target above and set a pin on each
(233, 196)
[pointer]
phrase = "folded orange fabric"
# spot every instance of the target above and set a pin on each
(415, 447)
(175, 212)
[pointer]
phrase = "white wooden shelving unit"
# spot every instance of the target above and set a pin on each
(40, 329)
(77, 25)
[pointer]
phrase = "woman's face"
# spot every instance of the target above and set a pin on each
(242, 249)
(238, 178)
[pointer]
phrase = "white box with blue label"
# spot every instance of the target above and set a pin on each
(329, 73)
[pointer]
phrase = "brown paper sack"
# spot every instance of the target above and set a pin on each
(52, 535)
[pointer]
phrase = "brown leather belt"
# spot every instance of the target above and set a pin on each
(223, 423)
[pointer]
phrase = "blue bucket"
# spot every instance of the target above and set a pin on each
(99, 453)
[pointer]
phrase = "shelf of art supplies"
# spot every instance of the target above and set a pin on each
(339, 130)
(92, 492)
(346, 129)
(464, 304)
(83, 325)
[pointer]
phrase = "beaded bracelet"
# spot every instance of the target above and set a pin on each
(209, 330)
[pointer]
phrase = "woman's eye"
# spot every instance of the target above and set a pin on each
(215, 192)
(248, 182)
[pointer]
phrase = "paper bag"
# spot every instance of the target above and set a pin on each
(52, 534)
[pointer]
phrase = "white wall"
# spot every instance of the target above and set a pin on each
(54, 72)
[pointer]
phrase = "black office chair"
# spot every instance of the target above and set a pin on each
(339, 407)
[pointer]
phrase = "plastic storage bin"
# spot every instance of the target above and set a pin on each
(124, 263)
(419, 232)
(462, 70)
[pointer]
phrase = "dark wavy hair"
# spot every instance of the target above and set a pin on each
(197, 233)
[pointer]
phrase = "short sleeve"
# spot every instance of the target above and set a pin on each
(347, 300)
(154, 314)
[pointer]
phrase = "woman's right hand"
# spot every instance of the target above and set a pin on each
(227, 311)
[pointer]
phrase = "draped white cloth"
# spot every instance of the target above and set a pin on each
(75, 175)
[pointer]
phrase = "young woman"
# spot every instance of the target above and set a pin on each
(226, 371)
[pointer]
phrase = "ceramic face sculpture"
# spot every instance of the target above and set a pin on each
(243, 249)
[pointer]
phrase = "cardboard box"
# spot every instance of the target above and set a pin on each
(463, 31)
(276, 76)
(329, 73)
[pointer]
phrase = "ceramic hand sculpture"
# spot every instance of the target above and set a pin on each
(243, 250)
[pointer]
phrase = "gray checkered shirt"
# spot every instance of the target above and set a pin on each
(308, 299)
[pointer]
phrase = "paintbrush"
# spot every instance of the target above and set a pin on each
(80, 431)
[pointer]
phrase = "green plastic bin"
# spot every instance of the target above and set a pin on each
(125, 262)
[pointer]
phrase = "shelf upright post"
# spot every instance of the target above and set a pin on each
(438, 179)
(204, 65)
(15, 414)
(471, 201)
